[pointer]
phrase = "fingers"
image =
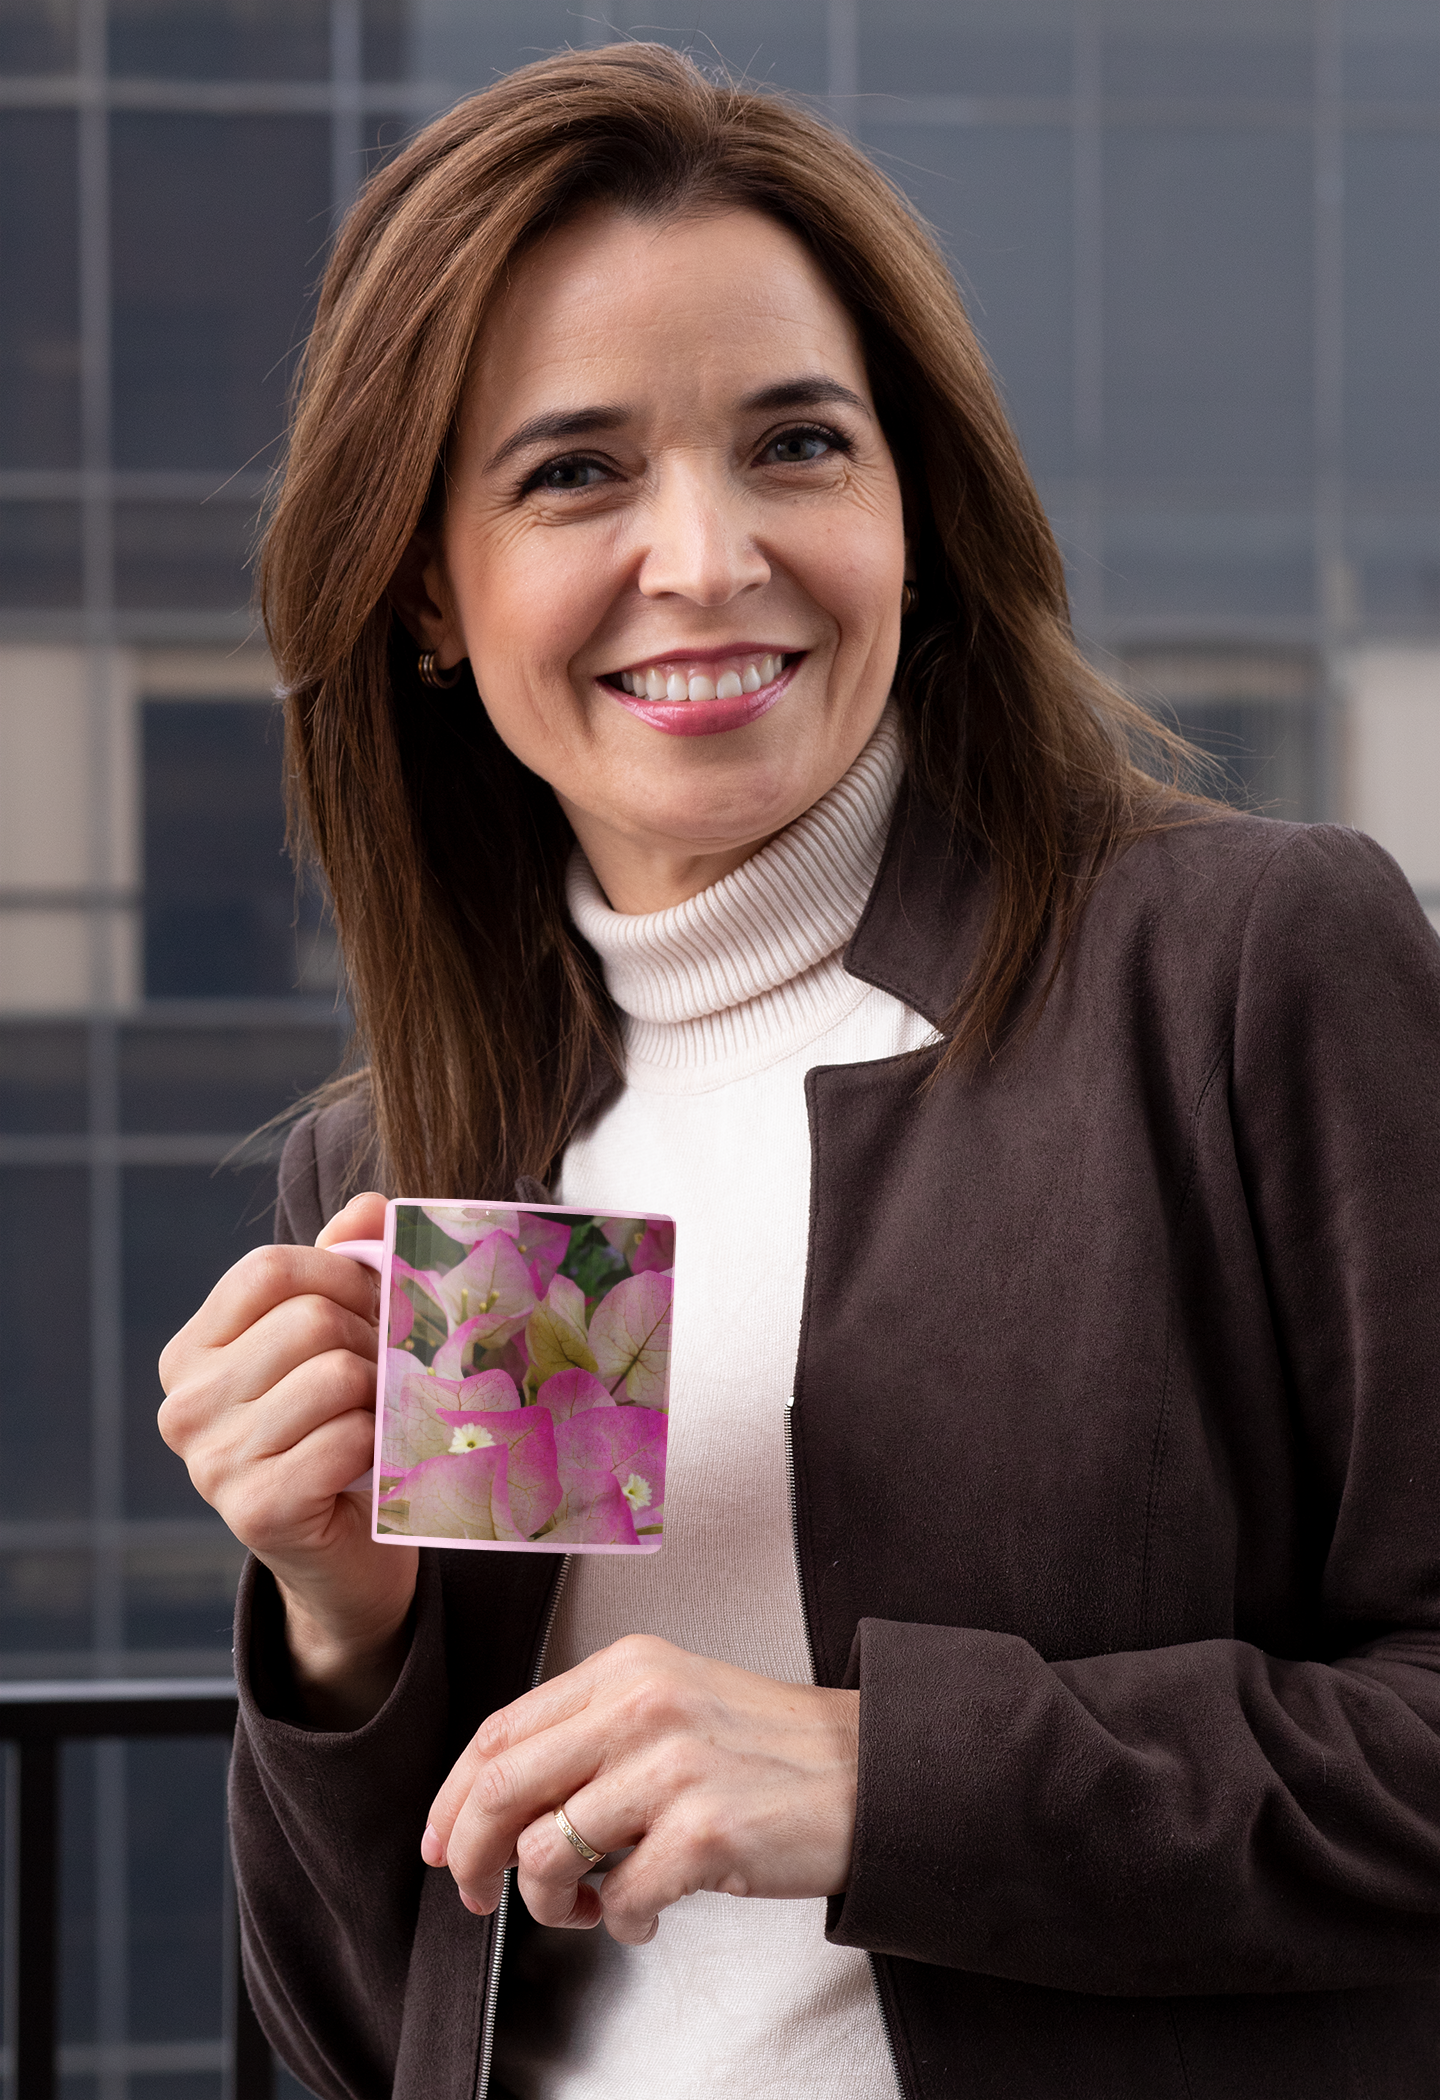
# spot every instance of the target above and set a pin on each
(259, 1281)
(716, 1778)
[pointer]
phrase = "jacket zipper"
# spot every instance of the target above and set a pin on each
(810, 1654)
(497, 1943)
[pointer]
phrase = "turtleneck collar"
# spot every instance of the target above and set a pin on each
(749, 970)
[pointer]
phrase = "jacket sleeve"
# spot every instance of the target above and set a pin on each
(1208, 1817)
(325, 1834)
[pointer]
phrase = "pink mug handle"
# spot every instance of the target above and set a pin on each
(371, 1255)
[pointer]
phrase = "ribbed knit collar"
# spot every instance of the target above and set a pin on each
(749, 970)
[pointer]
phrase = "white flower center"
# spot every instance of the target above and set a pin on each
(637, 1492)
(476, 1439)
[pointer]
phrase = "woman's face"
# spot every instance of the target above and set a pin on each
(674, 548)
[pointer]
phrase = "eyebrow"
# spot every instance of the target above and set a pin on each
(809, 391)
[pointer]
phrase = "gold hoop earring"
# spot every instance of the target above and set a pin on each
(909, 598)
(442, 681)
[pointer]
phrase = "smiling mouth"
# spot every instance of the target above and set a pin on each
(680, 678)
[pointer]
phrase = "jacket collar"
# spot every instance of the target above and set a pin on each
(920, 930)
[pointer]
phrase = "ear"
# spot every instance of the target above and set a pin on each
(420, 593)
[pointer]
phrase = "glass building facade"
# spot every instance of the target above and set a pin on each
(1200, 240)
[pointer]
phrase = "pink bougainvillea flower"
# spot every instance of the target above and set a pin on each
(532, 1483)
(543, 1242)
(555, 1332)
(611, 1462)
(401, 1318)
(655, 1249)
(491, 1284)
(415, 1426)
(420, 1289)
(571, 1392)
(454, 1497)
(468, 1222)
(630, 1338)
(644, 1243)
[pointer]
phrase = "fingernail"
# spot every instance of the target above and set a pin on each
(471, 1905)
(431, 1849)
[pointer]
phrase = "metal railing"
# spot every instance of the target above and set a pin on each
(38, 1718)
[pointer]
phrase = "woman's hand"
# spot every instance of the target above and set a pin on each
(270, 1401)
(719, 1779)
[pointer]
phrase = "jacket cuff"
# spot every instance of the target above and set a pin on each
(265, 1686)
(937, 1709)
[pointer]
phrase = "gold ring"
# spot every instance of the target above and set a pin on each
(571, 1834)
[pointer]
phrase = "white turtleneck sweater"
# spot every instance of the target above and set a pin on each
(728, 1001)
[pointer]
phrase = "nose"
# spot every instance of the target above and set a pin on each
(701, 544)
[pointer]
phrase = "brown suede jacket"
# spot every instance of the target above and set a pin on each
(1117, 1493)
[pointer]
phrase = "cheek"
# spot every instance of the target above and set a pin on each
(527, 601)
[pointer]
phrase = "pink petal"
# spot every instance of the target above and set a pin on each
(532, 1482)
(555, 1333)
(618, 1441)
(656, 1249)
(630, 1337)
(571, 1392)
(459, 1496)
(468, 1222)
(594, 1513)
(544, 1243)
(492, 1283)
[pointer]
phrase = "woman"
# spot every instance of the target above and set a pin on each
(721, 820)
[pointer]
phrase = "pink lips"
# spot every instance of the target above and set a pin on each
(706, 717)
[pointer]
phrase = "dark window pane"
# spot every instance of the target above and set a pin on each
(176, 1843)
(183, 1596)
(143, 1821)
(219, 231)
(1208, 304)
(220, 902)
(37, 36)
(40, 309)
(45, 1319)
(220, 39)
(459, 45)
(183, 555)
(182, 1227)
(1396, 561)
(1216, 564)
(1254, 715)
(41, 558)
(1392, 306)
(981, 47)
(1262, 48)
(786, 46)
(44, 1610)
(1392, 49)
(1000, 200)
(42, 1077)
(219, 1079)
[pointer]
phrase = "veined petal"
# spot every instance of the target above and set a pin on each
(630, 1337)
(555, 1331)
(571, 1392)
(532, 1482)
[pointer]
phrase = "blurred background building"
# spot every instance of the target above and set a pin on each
(1201, 242)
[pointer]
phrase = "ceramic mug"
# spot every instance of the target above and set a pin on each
(523, 1387)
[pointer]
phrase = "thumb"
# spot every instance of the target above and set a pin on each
(363, 1218)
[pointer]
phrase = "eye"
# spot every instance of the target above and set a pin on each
(573, 472)
(796, 448)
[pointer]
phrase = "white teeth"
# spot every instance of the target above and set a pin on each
(741, 675)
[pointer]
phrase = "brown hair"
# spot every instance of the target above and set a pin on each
(484, 1017)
